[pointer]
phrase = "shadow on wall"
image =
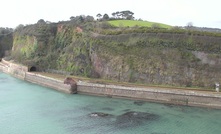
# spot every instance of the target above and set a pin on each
(32, 69)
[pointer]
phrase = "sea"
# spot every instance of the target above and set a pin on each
(26, 108)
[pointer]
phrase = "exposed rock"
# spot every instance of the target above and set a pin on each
(99, 114)
(73, 83)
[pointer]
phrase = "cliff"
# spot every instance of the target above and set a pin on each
(6, 40)
(95, 49)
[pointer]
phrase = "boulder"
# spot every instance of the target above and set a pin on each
(72, 82)
(99, 114)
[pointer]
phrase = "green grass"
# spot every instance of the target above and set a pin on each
(132, 23)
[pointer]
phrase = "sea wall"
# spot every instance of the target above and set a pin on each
(3, 68)
(21, 72)
(164, 95)
(48, 82)
(156, 94)
(13, 69)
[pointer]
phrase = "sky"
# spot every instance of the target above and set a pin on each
(202, 13)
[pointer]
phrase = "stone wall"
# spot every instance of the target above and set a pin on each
(164, 95)
(3, 68)
(21, 72)
(14, 69)
(48, 82)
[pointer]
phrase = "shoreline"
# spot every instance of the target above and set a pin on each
(176, 96)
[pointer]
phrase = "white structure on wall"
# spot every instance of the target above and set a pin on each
(217, 87)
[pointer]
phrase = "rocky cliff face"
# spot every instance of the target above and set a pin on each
(5, 44)
(151, 58)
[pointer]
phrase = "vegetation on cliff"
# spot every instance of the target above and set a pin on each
(151, 55)
(5, 41)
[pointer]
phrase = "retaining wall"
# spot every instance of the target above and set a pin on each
(174, 96)
(48, 82)
(3, 68)
(13, 69)
(21, 72)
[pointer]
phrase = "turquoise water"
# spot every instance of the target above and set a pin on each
(26, 108)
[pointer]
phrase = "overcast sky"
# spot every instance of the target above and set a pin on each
(203, 13)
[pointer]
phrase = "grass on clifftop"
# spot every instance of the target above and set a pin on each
(132, 23)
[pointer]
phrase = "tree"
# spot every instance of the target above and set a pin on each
(105, 17)
(99, 16)
(130, 17)
(89, 18)
(124, 15)
(81, 18)
(78, 19)
(19, 27)
(127, 14)
(41, 21)
(72, 18)
(114, 15)
(118, 14)
(4, 31)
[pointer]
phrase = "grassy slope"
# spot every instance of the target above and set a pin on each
(132, 23)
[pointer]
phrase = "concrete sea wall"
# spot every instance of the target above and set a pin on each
(48, 82)
(21, 72)
(164, 95)
(14, 69)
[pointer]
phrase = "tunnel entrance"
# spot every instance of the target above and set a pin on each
(32, 69)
